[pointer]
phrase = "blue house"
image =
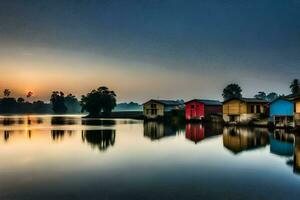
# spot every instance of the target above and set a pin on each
(282, 112)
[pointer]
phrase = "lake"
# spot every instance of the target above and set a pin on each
(67, 157)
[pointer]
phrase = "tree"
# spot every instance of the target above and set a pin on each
(29, 94)
(295, 88)
(261, 95)
(8, 105)
(72, 104)
(97, 101)
(20, 100)
(268, 97)
(232, 91)
(58, 102)
(272, 96)
(6, 92)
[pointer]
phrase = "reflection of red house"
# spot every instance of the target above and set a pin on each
(194, 132)
(198, 109)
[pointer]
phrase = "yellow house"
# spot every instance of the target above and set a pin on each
(297, 112)
(157, 108)
(243, 110)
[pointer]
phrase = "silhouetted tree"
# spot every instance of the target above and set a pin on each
(295, 88)
(232, 91)
(58, 102)
(272, 96)
(8, 105)
(97, 101)
(20, 100)
(6, 92)
(72, 104)
(268, 97)
(40, 107)
(261, 95)
(29, 94)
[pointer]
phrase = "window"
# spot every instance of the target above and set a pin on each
(153, 112)
(153, 105)
(192, 106)
(258, 109)
(251, 108)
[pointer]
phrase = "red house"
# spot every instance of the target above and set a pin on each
(198, 109)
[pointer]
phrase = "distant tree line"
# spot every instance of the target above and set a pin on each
(102, 101)
(10, 105)
(97, 102)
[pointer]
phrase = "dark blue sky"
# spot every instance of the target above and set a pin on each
(154, 48)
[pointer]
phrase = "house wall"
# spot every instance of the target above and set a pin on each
(234, 107)
(297, 106)
(194, 113)
(242, 118)
(159, 110)
(297, 113)
(242, 111)
(281, 107)
(213, 110)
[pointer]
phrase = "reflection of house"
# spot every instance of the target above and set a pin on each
(282, 112)
(158, 108)
(243, 110)
(155, 130)
(297, 155)
(198, 132)
(194, 132)
(102, 139)
(202, 108)
(238, 139)
(282, 143)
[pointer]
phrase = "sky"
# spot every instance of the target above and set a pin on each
(142, 49)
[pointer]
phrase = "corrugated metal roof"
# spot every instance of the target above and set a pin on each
(248, 100)
(167, 102)
(207, 102)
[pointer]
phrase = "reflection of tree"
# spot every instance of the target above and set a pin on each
(197, 131)
(98, 122)
(6, 135)
(62, 121)
(57, 134)
(102, 139)
(6, 121)
(297, 155)
(158, 130)
(238, 139)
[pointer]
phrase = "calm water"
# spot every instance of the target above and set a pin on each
(47, 157)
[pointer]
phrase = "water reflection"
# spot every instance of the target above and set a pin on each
(158, 130)
(33, 168)
(59, 134)
(98, 122)
(238, 139)
(62, 120)
(101, 139)
(297, 155)
(197, 132)
(282, 143)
